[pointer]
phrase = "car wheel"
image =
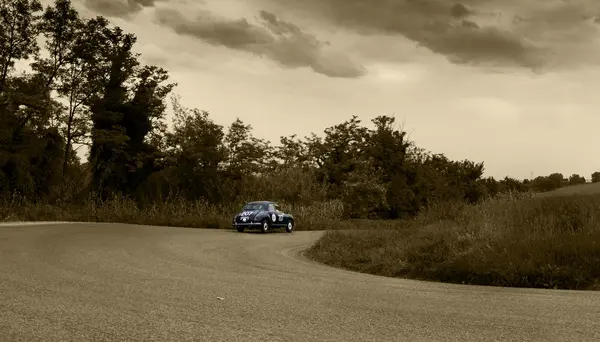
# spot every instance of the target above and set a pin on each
(240, 229)
(264, 228)
(289, 227)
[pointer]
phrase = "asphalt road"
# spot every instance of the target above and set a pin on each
(105, 282)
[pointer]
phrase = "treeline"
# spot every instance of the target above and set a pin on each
(557, 180)
(86, 87)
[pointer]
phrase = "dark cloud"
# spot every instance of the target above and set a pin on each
(119, 8)
(443, 26)
(459, 11)
(472, 44)
(270, 37)
(565, 29)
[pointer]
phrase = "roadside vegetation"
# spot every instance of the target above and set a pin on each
(405, 211)
(517, 240)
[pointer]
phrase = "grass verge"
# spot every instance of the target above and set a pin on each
(176, 213)
(549, 242)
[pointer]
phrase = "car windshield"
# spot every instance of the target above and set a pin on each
(253, 206)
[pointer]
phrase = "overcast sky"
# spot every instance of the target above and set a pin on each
(508, 82)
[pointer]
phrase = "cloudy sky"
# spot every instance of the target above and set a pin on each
(507, 82)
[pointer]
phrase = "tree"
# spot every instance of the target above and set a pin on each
(364, 194)
(108, 135)
(575, 179)
(557, 179)
(386, 150)
(122, 154)
(304, 189)
(492, 187)
(60, 26)
(18, 39)
(511, 184)
(596, 177)
(246, 154)
(338, 153)
(196, 154)
(292, 152)
(61, 71)
(139, 117)
(28, 153)
(541, 183)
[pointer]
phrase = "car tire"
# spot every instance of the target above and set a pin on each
(240, 229)
(290, 227)
(264, 226)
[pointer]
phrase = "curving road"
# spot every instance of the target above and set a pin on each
(112, 282)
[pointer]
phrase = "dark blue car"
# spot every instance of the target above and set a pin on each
(262, 215)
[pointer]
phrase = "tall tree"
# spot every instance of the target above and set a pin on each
(18, 24)
(60, 27)
(387, 148)
(140, 115)
(62, 70)
(246, 154)
(83, 81)
(109, 138)
(196, 154)
(292, 152)
(28, 157)
(338, 153)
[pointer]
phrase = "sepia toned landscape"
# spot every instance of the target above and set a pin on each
(440, 147)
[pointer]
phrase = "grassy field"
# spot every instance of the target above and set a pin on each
(581, 189)
(551, 241)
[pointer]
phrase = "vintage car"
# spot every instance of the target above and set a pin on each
(262, 215)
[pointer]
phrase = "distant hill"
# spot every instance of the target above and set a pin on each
(581, 189)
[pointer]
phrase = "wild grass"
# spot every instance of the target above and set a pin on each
(518, 241)
(177, 213)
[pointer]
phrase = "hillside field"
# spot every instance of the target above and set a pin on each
(580, 189)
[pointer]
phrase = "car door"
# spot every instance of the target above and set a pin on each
(273, 214)
(281, 216)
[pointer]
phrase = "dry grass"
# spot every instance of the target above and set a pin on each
(549, 242)
(580, 189)
(175, 213)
